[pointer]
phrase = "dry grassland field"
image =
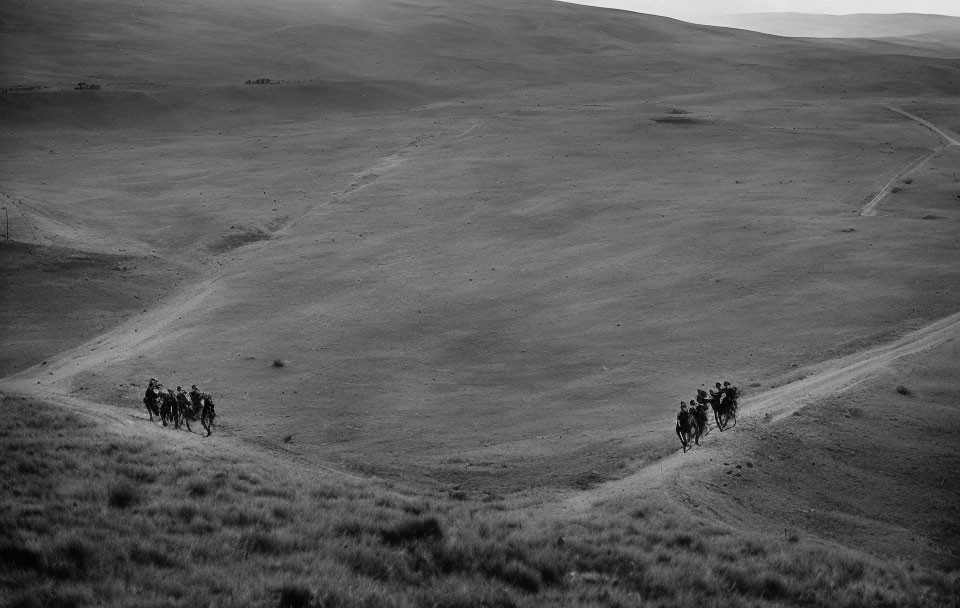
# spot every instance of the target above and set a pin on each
(447, 269)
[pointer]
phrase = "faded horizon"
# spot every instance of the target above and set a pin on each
(703, 12)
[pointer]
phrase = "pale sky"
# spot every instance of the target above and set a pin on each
(694, 10)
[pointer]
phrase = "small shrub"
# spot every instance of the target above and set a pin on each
(353, 528)
(522, 576)
(682, 540)
(295, 596)
(281, 493)
(187, 512)
(372, 563)
(413, 530)
(267, 543)
(122, 495)
(139, 474)
(73, 558)
(243, 517)
(14, 556)
(198, 488)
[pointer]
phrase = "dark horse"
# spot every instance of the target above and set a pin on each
(168, 408)
(699, 426)
(202, 410)
(152, 399)
(724, 410)
(685, 428)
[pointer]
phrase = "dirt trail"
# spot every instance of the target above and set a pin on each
(150, 328)
(948, 139)
(827, 378)
(153, 327)
(658, 478)
(870, 209)
(158, 325)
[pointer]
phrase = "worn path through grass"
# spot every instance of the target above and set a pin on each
(819, 381)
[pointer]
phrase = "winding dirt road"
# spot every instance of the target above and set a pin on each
(51, 381)
(823, 379)
(947, 140)
(826, 378)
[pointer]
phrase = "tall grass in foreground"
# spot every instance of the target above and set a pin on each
(91, 518)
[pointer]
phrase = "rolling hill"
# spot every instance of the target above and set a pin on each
(435, 259)
(484, 246)
(934, 35)
(464, 231)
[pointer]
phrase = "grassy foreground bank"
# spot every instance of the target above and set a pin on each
(90, 516)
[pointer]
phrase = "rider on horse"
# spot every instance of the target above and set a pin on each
(195, 396)
(684, 425)
(699, 413)
(151, 397)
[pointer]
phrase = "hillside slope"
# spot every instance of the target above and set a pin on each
(487, 243)
(904, 33)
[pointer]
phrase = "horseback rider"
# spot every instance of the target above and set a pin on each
(207, 403)
(721, 394)
(207, 414)
(732, 393)
(151, 385)
(683, 417)
(183, 401)
(175, 409)
(168, 405)
(195, 397)
(699, 413)
(150, 397)
(683, 425)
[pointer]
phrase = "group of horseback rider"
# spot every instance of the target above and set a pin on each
(180, 407)
(692, 419)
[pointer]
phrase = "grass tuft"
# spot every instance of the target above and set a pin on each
(266, 542)
(295, 596)
(15, 556)
(413, 530)
(522, 576)
(123, 495)
(230, 538)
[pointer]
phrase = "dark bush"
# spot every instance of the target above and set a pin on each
(198, 488)
(264, 542)
(73, 558)
(122, 495)
(17, 557)
(353, 528)
(295, 596)
(522, 576)
(413, 530)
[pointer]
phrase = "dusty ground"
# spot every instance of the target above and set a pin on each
(857, 452)
(491, 270)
